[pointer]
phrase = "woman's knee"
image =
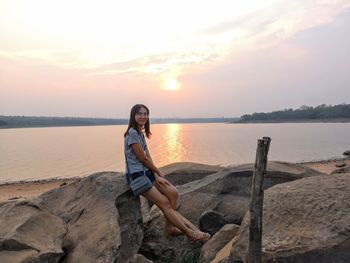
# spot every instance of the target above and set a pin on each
(171, 192)
(164, 204)
(174, 193)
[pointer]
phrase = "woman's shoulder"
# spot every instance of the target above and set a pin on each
(132, 131)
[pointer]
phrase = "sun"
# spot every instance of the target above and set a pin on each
(171, 85)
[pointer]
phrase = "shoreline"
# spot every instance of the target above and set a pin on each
(45, 180)
(340, 120)
(326, 166)
(27, 189)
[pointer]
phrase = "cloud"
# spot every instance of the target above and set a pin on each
(258, 29)
(269, 26)
(311, 67)
(156, 64)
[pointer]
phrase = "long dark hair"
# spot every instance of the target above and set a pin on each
(133, 123)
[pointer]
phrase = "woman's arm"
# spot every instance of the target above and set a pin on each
(145, 159)
(148, 154)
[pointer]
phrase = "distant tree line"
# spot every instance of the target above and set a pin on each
(321, 112)
(25, 121)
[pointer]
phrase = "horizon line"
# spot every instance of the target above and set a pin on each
(115, 118)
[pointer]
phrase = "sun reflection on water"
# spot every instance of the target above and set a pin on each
(173, 138)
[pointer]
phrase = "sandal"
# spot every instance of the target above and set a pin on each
(198, 236)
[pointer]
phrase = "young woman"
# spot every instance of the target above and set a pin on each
(139, 163)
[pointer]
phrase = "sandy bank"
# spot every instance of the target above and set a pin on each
(327, 166)
(18, 190)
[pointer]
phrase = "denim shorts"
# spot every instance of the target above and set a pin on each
(148, 173)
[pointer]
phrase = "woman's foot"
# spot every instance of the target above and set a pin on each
(172, 231)
(198, 236)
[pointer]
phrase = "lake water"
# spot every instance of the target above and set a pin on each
(37, 153)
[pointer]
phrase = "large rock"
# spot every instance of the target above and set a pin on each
(228, 191)
(217, 242)
(29, 234)
(225, 193)
(307, 220)
(103, 219)
(95, 219)
(103, 223)
(211, 221)
(185, 172)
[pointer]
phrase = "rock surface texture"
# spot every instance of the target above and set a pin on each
(223, 195)
(217, 242)
(342, 170)
(29, 234)
(97, 220)
(227, 192)
(185, 172)
(304, 221)
(92, 220)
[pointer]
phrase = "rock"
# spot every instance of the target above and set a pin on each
(95, 219)
(184, 172)
(140, 259)
(145, 209)
(347, 153)
(217, 242)
(339, 165)
(307, 220)
(103, 219)
(342, 170)
(25, 255)
(223, 255)
(211, 221)
(29, 234)
(14, 198)
(161, 248)
(228, 191)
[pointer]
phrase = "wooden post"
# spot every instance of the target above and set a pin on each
(256, 201)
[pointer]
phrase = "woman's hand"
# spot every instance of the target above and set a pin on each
(159, 173)
(162, 181)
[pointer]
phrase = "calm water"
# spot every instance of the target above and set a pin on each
(35, 153)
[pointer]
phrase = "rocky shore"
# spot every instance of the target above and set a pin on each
(96, 219)
(28, 189)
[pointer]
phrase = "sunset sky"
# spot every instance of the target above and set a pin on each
(181, 58)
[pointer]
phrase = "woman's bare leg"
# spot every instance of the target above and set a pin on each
(164, 204)
(172, 194)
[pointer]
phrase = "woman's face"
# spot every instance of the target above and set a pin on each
(141, 117)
